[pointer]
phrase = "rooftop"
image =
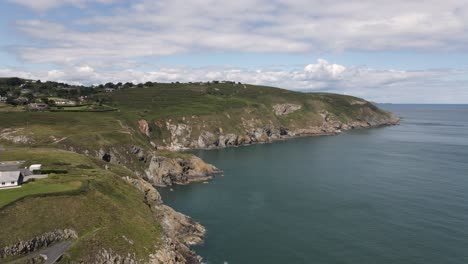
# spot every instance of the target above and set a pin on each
(8, 176)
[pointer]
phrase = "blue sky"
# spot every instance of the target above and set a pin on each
(399, 52)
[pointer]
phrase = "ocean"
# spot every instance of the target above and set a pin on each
(394, 194)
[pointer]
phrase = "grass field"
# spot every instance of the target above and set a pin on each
(83, 108)
(105, 212)
(8, 196)
(213, 105)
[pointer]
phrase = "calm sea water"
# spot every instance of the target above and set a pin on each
(387, 195)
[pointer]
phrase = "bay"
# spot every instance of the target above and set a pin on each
(386, 195)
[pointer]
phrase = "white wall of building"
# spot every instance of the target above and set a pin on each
(8, 184)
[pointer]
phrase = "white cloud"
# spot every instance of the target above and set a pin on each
(397, 86)
(98, 47)
(148, 28)
(43, 5)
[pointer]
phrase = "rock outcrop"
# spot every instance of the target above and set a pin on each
(259, 131)
(285, 109)
(152, 196)
(180, 231)
(144, 127)
(36, 243)
(108, 256)
(165, 171)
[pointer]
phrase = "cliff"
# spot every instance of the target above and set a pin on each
(120, 156)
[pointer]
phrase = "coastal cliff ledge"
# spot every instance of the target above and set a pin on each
(126, 152)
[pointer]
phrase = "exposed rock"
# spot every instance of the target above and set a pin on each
(37, 259)
(174, 252)
(152, 196)
(144, 127)
(180, 232)
(231, 140)
(358, 102)
(206, 140)
(286, 109)
(165, 171)
(17, 136)
(181, 227)
(109, 257)
(44, 240)
(180, 135)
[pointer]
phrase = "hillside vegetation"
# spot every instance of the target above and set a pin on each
(117, 141)
(101, 207)
(205, 107)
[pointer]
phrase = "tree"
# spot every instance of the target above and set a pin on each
(15, 81)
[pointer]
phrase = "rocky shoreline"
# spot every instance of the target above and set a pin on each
(180, 232)
(190, 134)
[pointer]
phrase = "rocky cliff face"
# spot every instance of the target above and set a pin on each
(164, 171)
(36, 243)
(157, 169)
(285, 109)
(183, 136)
(108, 256)
(180, 231)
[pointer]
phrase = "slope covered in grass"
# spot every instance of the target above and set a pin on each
(107, 214)
(215, 106)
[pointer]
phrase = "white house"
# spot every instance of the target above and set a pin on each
(34, 167)
(3, 99)
(64, 102)
(10, 179)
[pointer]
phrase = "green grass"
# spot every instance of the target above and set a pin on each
(103, 213)
(208, 107)
(9, 108)
(8, 196)
(83, 108)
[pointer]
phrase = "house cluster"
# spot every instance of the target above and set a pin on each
(37, 106)
(64, 102)
(12, 176)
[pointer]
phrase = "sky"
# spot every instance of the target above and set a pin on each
(395, 51)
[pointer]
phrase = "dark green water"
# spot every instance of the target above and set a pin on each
(388, 195)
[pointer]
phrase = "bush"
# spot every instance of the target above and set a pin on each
(50, 171)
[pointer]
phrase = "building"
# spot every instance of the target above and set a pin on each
(37, 107)
(34, 167)
(64, 102)
(26, 91)
(9, 179)
(3, 99)
(109, 90)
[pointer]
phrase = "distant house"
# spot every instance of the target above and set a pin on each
(64, 102)
(109, 90)
(37, 106)
(26, 91)
(3, 99)
(9, 179)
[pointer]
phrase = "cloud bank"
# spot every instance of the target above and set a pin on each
(376, 85)
(111, 40)
(153, 28)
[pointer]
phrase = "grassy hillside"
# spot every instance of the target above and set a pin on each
(220, 105)
(150, 119)
(105, 211)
